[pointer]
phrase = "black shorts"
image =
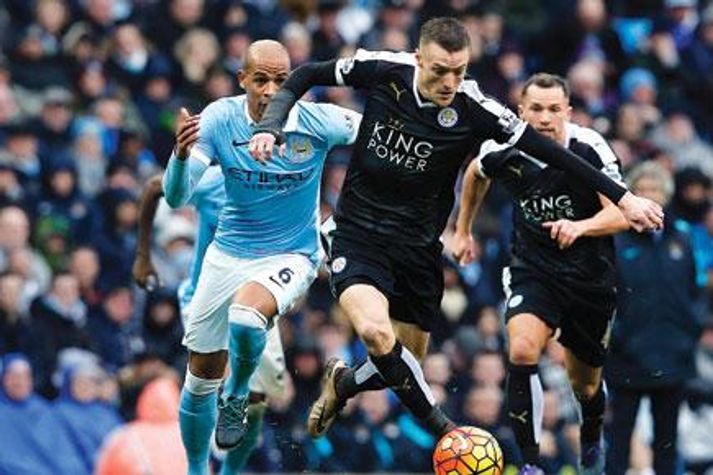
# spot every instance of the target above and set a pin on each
(410, 277)
(583, 317)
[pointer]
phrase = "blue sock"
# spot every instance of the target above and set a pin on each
(197, 416)
(245, 349)
(237, 458)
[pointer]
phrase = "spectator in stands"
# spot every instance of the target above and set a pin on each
(86, 419)
(692, 196)
(15, 330)
(21, 153)
(678, 136)
(117, 339)
(115, 240)
(656, 329)
(59, 320)
(84, 266)
(152, 443)
(32, 440)
(162, 329)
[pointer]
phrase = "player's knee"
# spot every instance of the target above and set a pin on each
(208, 365)
(584, 390)
(524, 350)
(379, 339)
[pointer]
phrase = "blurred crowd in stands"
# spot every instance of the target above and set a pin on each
(89, 91)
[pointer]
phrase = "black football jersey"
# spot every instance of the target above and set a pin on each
(399, 184)
(542, 193)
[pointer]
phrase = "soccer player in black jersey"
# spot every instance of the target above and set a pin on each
(562, 275)
(420, 122)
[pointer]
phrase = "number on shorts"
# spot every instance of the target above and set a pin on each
(283, 277)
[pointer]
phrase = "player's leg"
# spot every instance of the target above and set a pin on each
(585, 336)
(275, 284)
(351, 381)
(197, 412)
(368, 310)
(590, 391)
(267, 382)
(205, 338)
(527, 337)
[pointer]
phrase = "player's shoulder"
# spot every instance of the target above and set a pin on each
(396, 57)
(491, 146)
(584, 135)
(471, 89)
(225, 103)
(225, 108)
(593, 140)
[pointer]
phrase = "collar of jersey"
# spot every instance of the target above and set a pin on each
(416, 92)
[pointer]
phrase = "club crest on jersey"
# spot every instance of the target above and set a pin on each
(447, 117)
(300, 150)
(339, 264)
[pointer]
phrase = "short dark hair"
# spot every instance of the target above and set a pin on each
(447, 32)
(546, 81)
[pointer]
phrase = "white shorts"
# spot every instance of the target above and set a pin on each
(286, 276)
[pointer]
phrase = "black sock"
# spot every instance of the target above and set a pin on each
(524, 392)
(403, 374)
(352, 381)
(592, 415)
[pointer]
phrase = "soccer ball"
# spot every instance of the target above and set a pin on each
(468, 451)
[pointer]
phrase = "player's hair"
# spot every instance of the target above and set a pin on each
(447, 32)
(546, 81)
(654, 171)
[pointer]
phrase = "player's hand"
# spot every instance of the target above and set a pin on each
(564, 231)
(187, 128)
(261, 146)
(463, 248)
(641, 213)
(145, 274)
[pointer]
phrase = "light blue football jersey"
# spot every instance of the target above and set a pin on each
(270, 209)
(208, 199)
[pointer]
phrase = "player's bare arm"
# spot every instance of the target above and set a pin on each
(606, 222)
(475, 186)
(143, 270)
(641, 213)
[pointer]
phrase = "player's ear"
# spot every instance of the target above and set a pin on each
(419, 58)
(241, 78)
(569, 113)
(521, 109)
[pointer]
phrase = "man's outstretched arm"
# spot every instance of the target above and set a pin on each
(143, 270)
(640, 213)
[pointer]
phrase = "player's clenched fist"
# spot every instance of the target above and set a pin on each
(186, 132)
(641, 213)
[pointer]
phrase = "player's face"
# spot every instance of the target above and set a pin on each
(547, 110)
(440, 72)
(261, 80)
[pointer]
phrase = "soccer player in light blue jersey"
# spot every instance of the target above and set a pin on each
(268, 381)
(266, 248)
